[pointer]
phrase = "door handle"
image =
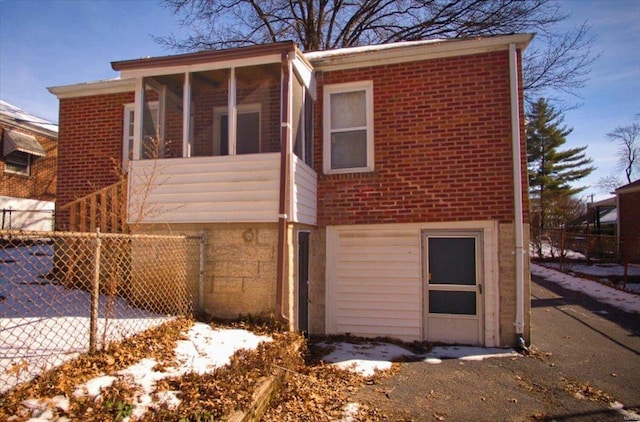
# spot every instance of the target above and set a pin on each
(480, 288)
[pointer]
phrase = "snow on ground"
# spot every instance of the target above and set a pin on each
(440, 353)
(364, 358)
(626, 301)
(367, 358)
(204, 350)
(549, 251)
(43, 325)
(603, 271)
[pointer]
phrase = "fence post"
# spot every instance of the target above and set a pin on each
(562, 250)
(201, 274)
(95, 292)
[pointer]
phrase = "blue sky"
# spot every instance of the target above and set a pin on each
(49, 43)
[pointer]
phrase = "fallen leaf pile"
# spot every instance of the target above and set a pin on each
(312, 390)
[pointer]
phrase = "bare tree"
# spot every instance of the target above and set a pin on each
(327, 24)
(627, 139)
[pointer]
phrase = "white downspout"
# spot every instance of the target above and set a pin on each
(517, 195)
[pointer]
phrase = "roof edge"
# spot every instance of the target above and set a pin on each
(86, 89)
(204, 56)
(354, 57)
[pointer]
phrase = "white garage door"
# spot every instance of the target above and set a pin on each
(374, 283)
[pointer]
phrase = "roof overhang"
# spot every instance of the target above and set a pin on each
(401, 52)
(13, 141)
(110, 86)
(212, 59)
(631, 187)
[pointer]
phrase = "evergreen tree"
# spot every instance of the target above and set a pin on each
(551, 170)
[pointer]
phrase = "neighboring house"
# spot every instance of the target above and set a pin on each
(628, 198)
(27, 169)
(375, 191)
(601, 217)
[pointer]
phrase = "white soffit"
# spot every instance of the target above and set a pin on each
(306, 75)
(401, 52)
(86, 89)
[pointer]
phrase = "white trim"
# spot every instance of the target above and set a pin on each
(367, 87)
(411, 51)
(187, 139)
(517, 190)
(170, 70)
(305, 74)
(128, 108)
(111, 86)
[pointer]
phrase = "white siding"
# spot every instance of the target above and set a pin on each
(375, 285)
(374, 279)
(305, 183)
(240, 188)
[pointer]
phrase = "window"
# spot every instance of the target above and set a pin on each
(302, 124)
(128, 132)
(348, 127)
(247, 132)
(18, 162)
(19, 150)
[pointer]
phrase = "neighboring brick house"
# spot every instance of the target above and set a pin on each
(376, 191)
(27, 169)
(628, 204)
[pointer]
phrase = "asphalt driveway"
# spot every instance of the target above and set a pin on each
(587, 355)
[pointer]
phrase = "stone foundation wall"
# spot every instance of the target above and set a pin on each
(240, 267)
(507, 286)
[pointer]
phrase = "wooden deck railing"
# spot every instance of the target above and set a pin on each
(105, 209)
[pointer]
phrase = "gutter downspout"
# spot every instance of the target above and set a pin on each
(282, 208)
(517, 196)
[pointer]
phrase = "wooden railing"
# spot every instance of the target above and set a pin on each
(105, 209)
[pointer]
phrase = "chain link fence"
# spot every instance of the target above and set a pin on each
(38, 220)
(62, 294)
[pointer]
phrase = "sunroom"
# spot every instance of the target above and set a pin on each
(220, 136)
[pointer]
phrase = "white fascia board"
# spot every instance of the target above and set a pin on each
(201, 67)
(305, 74)
(357, 57)
(86, 89)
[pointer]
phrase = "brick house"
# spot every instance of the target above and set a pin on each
(628, 205)
(376, 191)
(27, 169)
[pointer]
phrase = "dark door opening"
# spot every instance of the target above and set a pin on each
(303, 282)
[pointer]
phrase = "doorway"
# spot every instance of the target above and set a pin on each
(452, 287)
(303, 282)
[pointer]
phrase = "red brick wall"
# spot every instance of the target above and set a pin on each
(629, 204)
(89, 143)
(41, 183)
(442, 133)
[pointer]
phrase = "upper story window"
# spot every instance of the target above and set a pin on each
(18, 162)
(19, 150)
(348, 128)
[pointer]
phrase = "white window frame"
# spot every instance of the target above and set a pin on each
(126, 138)
(240, 109)
(328, 90)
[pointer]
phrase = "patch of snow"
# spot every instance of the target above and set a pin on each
(93, 387)
(438, 354)
(551, 251)
(350, 412)
(214, 349)
(44, 324)
(365, 358)
(625, 301)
